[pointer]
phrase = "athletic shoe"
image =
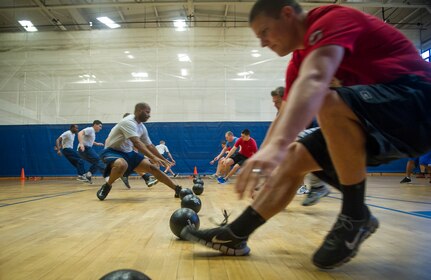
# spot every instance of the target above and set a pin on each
(315, 194)
(103, 192)
(89, 180)
(343, 241)
(406, 180)
(151, 182)
(125, 181)
(302, 190)
(177, 191)
(213, 176)
(221, 239)
(221, 180)
(175, 175)
(82, 178)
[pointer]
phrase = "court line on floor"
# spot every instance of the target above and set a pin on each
(396, 199)
(391, 209)
(31, 196)
(40, 198)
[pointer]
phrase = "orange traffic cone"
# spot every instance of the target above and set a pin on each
(22, 174)
(195, 171)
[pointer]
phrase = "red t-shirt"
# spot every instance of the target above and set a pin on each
(248, 148)
(375, 52)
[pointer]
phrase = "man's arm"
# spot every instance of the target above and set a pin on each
(145, 150)
(154, 150)
(223, 151)
(58, 144)
(170, 156)
(81, 140)
(307, 93)
(231, 152)
(304, 101)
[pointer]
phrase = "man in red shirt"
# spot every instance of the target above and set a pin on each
(384, 87)
(248, 148)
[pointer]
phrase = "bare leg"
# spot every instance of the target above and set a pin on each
(233, 171)
(118, 167)
(409, 168)
(345, 139)
(146, 167)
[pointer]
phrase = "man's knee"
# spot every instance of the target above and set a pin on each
(333, 107)
(120, 164)
(299, 161)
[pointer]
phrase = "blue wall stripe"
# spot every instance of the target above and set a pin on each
(191, 144)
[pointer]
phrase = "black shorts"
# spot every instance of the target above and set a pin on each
(395, 116)
(239, 159)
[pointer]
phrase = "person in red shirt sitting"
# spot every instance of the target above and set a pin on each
(248, 148)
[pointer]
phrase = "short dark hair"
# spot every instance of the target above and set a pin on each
(245, 132)
(278, 92)
(272, 8)
(223, 142)
(141, 106)
(72, 126)
(97, 122)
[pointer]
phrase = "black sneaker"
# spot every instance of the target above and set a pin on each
(315, 195)
(175, 175)
(103, 192)
(177, 191)
(406, 180)
(343, 241)
(151, 182)
(221, 239)
(125, 181)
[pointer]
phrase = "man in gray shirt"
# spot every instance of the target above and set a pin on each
(121, 160)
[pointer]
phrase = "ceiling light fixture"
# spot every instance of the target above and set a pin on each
(180, 25)
(108, 22)
(28, 25)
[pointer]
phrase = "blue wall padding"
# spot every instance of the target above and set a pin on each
(191, 144)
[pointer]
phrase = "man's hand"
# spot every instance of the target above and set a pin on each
(160, 162)
(81, 147)
(259, 167)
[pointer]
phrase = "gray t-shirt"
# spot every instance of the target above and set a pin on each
(89, 136)
(128, 127)
(67, 139)
(162, 149)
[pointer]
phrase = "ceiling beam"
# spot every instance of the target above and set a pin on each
(52, 18)
(371, 4)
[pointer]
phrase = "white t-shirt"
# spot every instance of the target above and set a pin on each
(67, 139)
(128, 127)
(162, 148)
(89, 136)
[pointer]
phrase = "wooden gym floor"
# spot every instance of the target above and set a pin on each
(58, 229)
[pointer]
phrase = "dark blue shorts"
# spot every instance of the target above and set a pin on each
(110, 155)
(425, 159)
(396, 119)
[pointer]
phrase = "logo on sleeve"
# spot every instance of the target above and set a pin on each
(315, 37)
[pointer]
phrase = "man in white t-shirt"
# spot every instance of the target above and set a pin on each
(86, 138)
(120, 158)
(64, 146)
(164, 151)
